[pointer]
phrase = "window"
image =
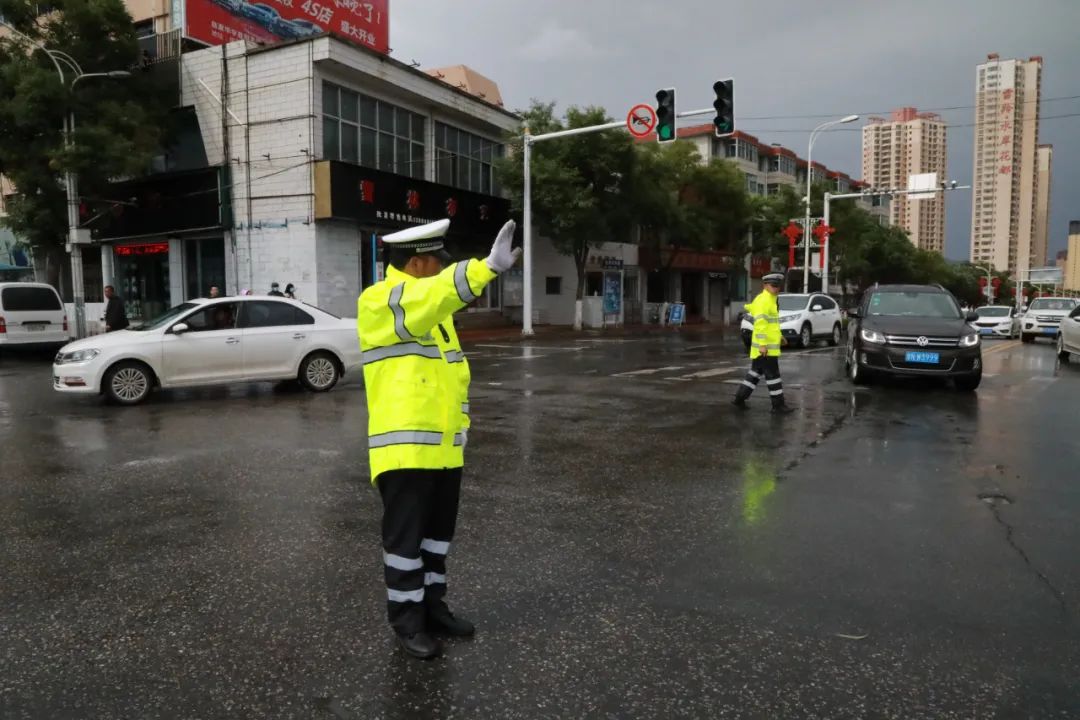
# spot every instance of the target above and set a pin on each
(464, 160)
(553, 285)
(362, 130)
(273, 314)
(825, 302)
(28, 299)
(219, 316)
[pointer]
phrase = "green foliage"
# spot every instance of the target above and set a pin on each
(116, 121)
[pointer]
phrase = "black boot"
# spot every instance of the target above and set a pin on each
(420, 645)
(740, 403)
(440, 619)
(782, 409)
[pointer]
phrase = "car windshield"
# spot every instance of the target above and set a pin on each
(791, 302)
(993, 312)
(914, 304)
(166, 318)
(1052, 304)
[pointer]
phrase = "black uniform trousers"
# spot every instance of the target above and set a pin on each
(420, 510)
(767, 366)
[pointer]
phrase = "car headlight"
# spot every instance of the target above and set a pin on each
(788, 318)
(969, 340)
(872, 336)
(78, 356)
(1007, 324)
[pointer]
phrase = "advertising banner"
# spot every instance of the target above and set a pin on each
(216, 22)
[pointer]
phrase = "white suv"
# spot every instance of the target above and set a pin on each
(803, 319)
(1044, 316)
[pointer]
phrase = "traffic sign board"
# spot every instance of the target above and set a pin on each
(641, 120)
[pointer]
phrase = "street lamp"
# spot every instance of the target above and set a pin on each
(989, 278)
(75, 241)
(809, 182)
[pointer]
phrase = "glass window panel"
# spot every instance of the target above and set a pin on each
(463, 168)
(418, 162)
(485, 180)
(350, 146)
(331, 150)
(486, 152)
(367, 111)
(329, 99)
(386, 152)
(348, 105)
(386, 118)
(418, 123)
(404, 166)
(444, 171)
(477, 169)
(368, 140)
(402, 126)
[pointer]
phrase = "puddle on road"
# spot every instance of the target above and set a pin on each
(995, 498)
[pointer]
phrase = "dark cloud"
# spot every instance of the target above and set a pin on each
(790, 58)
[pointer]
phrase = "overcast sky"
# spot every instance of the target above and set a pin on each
(863, 57)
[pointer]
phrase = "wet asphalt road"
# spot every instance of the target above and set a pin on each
(629, 546)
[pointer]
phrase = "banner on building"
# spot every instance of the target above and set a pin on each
(216, 22)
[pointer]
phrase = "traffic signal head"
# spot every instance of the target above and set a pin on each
(665, 115)
(725, 107)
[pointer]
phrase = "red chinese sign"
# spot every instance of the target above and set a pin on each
(146, 249)
(216, 22)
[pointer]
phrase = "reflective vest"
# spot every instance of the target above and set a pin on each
(763, 311)
(416, 376)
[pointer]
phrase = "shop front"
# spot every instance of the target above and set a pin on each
(162, 240)
(377, 203)
(703, 280)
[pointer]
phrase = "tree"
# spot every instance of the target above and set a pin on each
(117, 122)
(580, 185)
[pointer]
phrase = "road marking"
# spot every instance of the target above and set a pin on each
(712, 372)
(648, 371)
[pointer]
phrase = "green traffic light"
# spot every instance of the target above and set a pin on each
(665, 132)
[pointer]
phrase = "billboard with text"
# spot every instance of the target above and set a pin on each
(216, 22)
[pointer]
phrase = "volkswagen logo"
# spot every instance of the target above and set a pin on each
(923, 342)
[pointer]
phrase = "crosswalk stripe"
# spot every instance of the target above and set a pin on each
(648, 371)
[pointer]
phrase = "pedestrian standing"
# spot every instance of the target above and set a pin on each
(417, 381)
(215, 292)
(765, 342)
(275, 290)
(290, 291)
(115, 313)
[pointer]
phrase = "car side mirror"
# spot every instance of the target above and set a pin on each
(817, 308)
(180, 328)
(971, 317)
(854, 313)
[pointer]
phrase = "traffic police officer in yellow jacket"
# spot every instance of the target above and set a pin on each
(765, 342)
(417, 381)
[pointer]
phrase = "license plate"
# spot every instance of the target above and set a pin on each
(1050, 331)
(922, 357)
(987, 331)
(34, 328)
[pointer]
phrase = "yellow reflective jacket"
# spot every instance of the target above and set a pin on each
(766, 317)
(416, 375)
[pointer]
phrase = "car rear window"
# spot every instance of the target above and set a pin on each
(29, 299)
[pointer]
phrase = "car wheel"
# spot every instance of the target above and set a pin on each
(128, 383)
(858, 375)
(1063, 354)
(805, 336)
(969, 383)
(834, 339)
(319, 372)
(1024, 337)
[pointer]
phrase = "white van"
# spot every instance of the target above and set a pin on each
(31, 314)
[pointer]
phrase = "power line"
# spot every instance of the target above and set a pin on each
(949, 126)
(887, 112)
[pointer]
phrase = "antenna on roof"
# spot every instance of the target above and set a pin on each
(414, 63)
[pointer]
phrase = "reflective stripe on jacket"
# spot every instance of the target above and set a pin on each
(763, 311)
(416, 376)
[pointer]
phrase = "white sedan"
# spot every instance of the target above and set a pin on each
(1068, 340)
(212, 342)
(997, 321)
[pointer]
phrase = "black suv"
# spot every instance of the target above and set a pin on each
(913, 330)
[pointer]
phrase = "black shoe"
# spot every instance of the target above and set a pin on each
(420, 645)
(440, 619)
(782, 409)
(740, 403)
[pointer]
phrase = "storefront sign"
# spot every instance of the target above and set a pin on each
(164, 204)
(760, 265)
(216, 22)
(687, 260)
(612, 293)
(145, 249)
(385, 200)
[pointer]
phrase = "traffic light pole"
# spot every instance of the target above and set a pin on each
(528, 141)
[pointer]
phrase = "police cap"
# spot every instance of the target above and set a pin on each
(421, 240)
(773, 279)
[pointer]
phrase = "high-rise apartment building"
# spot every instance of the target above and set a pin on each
(908, 143)
(1072, 257)
(1006, 176)
(1044, 163)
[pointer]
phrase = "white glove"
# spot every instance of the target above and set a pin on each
(502, 256)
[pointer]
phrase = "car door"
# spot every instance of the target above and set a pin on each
(275, 335)
(208, 351)
(819, 318)
(1070, 330)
